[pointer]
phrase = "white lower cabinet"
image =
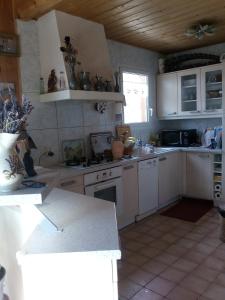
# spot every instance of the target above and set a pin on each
(130, 195)
(170, 177)
(72, 184)
(199, 182)
(148, 187)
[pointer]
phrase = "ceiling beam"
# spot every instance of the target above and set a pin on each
(33, 9)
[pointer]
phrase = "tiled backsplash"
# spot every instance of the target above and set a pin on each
(50, 123)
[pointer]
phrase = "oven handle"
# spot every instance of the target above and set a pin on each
(104, 186)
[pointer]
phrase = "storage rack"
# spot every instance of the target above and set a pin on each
(217, 176)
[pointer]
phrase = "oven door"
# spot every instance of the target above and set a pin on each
(110, 190)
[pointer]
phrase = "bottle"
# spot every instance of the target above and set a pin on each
(62, 82)
(42, 85)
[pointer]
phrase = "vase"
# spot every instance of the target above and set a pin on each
(73, 84)
(10, 165)
(85, 82)
(117, 149)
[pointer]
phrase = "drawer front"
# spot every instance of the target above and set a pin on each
(70, 182)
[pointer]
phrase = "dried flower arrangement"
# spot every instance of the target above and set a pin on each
(13, 116)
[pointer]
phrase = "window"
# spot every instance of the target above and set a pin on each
(135, 89)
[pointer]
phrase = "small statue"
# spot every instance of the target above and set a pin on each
(70, 58)
(52, 82)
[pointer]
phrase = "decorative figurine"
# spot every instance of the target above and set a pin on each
(52, 82)
(99, 85)
(85, 83)
(70, 59)
(117, 87)
(108, 86)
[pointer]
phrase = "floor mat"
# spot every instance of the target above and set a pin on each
(188, 209)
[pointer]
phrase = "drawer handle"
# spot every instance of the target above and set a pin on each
(128, 167)
(172, 114)
(194, 112)
(162, 158)
(67, 183)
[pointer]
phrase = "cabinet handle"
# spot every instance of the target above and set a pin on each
(128, 167)
(162, 158)
(171, 114)
(67, 183)
(209, 110)
(203, 155)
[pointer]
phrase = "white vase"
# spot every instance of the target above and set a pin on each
(10, 164)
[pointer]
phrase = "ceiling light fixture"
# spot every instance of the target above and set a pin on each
(199, 31)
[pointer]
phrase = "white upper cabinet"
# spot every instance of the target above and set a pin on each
(192, 93)
(211, 89)
(189, 93)
(167, 95)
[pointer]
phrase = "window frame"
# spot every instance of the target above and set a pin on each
(137, 72)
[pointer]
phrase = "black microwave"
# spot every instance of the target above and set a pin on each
(178, 138)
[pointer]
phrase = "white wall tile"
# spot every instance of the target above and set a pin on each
(69, 114)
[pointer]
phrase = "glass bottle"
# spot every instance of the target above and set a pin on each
(62, 81)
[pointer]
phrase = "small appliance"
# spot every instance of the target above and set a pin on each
(179, 138)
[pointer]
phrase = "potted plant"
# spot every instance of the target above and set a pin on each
(13, 117)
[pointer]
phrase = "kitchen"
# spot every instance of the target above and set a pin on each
(51, 123)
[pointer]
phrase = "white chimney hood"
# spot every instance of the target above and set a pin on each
(90, 41)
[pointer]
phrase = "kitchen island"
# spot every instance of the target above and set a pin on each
(67, 248)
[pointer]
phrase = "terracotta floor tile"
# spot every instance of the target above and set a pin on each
(195, 256)
(195, 284)
(200, 247)
(214, 263)
(206, 273)
(141, 228)
(145, 239)
(166, 258)
(155, 233)
(125, 268)
(180, 293)
(141, 277)
(149, 251)
(221, 279)
(161, 286)
(176, 250)
(213, 242)
(215, 292)
(137, 259)
(130, 234)
(159, 244)
(170, 238)
(133, 245)
(146, 294)
(173, 274)
(154, 267)
(185, 265)
(186, 243)
(194, 236)
(219, 254)
(128, 288)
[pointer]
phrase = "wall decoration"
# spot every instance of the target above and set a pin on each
(9, 44)
(73, 150)
(7, 89)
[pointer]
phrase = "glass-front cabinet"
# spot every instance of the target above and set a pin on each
(211, 89)
(189, 92)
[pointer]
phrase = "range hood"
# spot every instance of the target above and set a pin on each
(90, 41)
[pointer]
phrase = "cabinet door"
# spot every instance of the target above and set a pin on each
(189, 98)
(130, 195)
(167, 95)
(199, 176)
(211, 89)
(169, 178)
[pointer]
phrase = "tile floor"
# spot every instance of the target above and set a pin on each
(166, 258)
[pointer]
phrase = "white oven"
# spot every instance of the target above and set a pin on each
(106, 185)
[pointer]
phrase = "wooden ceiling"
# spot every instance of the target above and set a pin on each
(153, 24)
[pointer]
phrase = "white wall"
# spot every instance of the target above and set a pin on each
(50, 123)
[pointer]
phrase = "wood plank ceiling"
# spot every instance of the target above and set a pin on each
(153, 24)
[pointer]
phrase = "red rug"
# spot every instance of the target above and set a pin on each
(190, 210)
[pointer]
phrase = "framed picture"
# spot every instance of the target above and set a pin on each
(7, 89)
(73, 150)
(9, 44)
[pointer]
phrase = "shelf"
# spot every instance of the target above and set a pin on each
(213, 83)
(189, 86)
(218, 98)
(80, 95)
(184, 101)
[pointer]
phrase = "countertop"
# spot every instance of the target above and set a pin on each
(78, 225)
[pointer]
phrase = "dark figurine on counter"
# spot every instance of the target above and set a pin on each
(52, 82)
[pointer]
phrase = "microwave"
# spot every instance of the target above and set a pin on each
(178, 138)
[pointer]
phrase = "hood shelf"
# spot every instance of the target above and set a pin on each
(81, 95)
